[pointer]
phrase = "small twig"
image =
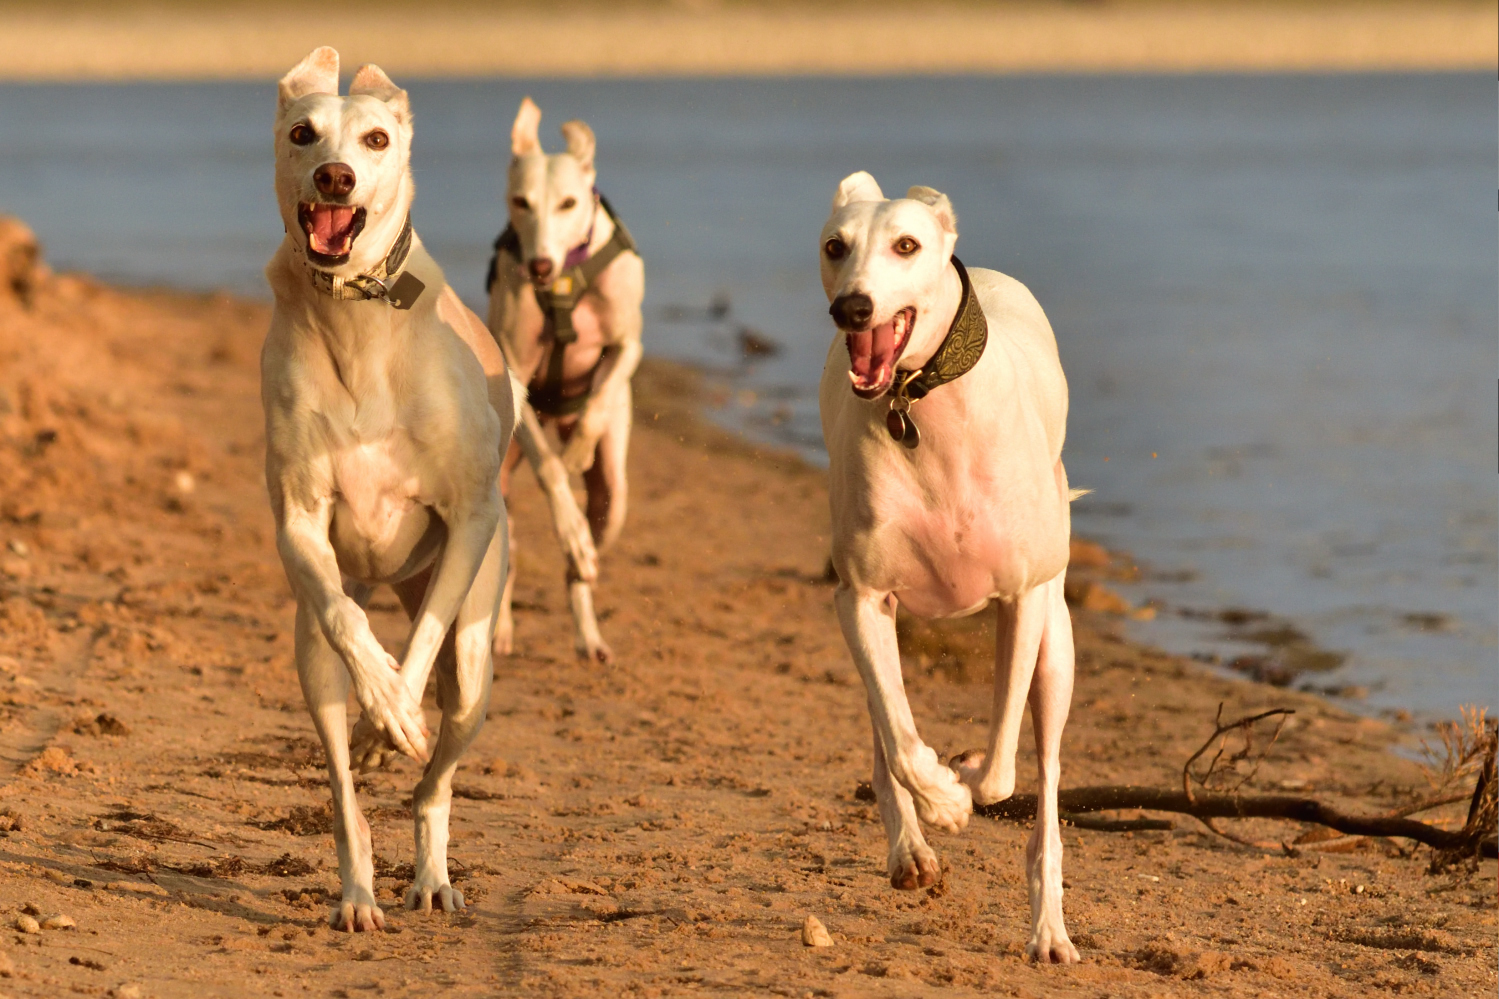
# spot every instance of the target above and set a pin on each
(1241, 841)
(1220, 734)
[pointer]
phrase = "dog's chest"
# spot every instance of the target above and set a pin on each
(379, 515)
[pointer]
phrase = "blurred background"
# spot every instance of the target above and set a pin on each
(1263, 232)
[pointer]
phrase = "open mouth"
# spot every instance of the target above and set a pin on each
(331, 230)
(872, 353)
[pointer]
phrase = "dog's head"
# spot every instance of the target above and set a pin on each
(343, 177)
(882, 268)
(551, 197)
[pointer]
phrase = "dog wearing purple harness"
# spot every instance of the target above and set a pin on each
(565, 286)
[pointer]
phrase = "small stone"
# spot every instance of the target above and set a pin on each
(59, 877)
(184, 482)
(58, 921)
(7, 966)
(814, 934)
(27, 924)
(127, 990)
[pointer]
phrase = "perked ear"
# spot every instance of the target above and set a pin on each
(371, 81)
(580, 142)
(317, 74)
(524, 137)
(938, 203)
(857, 187)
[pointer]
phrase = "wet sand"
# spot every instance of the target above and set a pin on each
(91, 40)
(660, 827)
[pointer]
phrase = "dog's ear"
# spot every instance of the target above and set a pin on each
(524, 134)
(371, 81)
(580, 142)
(938, 203)
(317, 74)
(857, 187)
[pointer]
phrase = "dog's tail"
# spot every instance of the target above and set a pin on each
(517, 395)
(1074, 494)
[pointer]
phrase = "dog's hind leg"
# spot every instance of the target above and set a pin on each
(868, 621)
(1051, 695)
(991, 774)
(504, 629)
(912, 864)
(606, 479)
(325, 686)
(464, 672)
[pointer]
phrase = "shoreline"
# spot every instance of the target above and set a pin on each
(99, 42)
(659, 827)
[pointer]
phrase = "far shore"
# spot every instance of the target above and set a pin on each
(94, 41)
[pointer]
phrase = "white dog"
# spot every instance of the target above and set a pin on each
(565, 288)
(943, 409)
(388, 409)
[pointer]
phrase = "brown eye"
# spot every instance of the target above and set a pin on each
(301, 134)
(906, 246)
(835, 249)
(377, 140)
(568, 204)
(520, 203)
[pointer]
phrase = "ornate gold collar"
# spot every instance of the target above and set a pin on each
(955, 356)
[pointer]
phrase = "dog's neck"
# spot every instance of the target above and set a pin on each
(932, 324)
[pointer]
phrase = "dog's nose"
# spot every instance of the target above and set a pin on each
(540, 268)
(852, 312)
(334, 179)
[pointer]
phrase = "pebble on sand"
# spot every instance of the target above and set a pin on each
(59, 921)
(814, 934)
(27, 924)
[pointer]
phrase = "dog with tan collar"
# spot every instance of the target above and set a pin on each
(565, 288)
(944, 407)
(388, 409)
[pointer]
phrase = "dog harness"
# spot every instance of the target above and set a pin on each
(401, 293)
(557, 303)
(956, 355)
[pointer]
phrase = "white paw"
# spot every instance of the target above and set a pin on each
(1049, 944)
(369, 749)
(597, 650)
(913, 865)
(357, 913)
(941, 799)
(504, 636)
(419, 897)
(986, 788)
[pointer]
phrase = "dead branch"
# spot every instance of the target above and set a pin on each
(1235, 806)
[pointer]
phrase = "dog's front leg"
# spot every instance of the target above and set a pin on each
(911, 863)
(616, 369)
(325, 687)
(868, 621)
(312, 567)
(569, 523)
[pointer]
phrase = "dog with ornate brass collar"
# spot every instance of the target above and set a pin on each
(565, 287)
(388, 410)
(943, 409)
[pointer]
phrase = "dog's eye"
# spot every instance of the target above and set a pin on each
(520, 203)
(568, 204)
(835, 249)
(906, 246)
(301, 134)
(377, 140)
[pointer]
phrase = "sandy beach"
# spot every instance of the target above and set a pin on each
(177, 40)
(661, 827)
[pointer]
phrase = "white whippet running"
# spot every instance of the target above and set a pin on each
(565, 287)
(388, 409)
(943, 408)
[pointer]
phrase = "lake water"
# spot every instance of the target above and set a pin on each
(1275, 296)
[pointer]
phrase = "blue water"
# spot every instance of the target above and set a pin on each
(1275, 296)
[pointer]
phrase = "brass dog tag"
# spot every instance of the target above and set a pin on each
(407, 289)
(898, 421)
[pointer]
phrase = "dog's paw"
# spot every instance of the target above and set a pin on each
(597, 651)
(504, 636)
(985, 787)
(913, 866)
(577, 456)
(369, 749)
(1049, 943)
(419, 898)
(357, 915)
(941, 799)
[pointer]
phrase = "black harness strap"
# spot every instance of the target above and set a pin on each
(557, 304)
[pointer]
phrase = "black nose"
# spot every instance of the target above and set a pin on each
(852, 312)
(540, 268)
(334, 179)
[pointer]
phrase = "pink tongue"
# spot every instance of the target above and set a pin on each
(331, 225)
(871, 353)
